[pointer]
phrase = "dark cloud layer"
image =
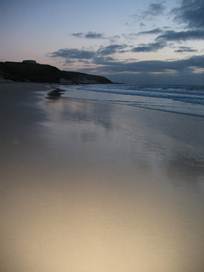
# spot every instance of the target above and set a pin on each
(72, 53)
(191, 12)
(182, 35)
(157, 66)
(151, 47)
(110, 65)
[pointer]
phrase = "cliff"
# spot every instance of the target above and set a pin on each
(34, 72)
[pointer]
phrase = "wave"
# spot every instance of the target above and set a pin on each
(176, 100)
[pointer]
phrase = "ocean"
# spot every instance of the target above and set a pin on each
(180, 100)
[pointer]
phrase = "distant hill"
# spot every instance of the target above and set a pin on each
(34, 72)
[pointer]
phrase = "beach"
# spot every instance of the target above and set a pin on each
(100, 181)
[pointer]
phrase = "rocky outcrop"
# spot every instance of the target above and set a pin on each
(34, 72)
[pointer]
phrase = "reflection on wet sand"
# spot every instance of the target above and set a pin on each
(186, 169)
(93, 186)
(82, 111)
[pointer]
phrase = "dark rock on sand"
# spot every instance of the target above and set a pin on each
(54, 94)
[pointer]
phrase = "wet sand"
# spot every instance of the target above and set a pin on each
(90, 186)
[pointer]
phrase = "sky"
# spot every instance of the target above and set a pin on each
(124, 40)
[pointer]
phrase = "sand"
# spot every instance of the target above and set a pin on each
(93, 186)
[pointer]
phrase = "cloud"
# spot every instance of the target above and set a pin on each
(78, 34)
(100, 56)
(105, 63)
(94, 35)
(185, 49)
(158, 72)
(111, 49)
(169, 36)
(154, 9)
(150, 47)
(154, 66)
(151, 31)
(182, 35)
(191, 12)
(72, 53)
(89, 35)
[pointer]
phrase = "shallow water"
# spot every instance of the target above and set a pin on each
(92, 182)
(180, 100)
